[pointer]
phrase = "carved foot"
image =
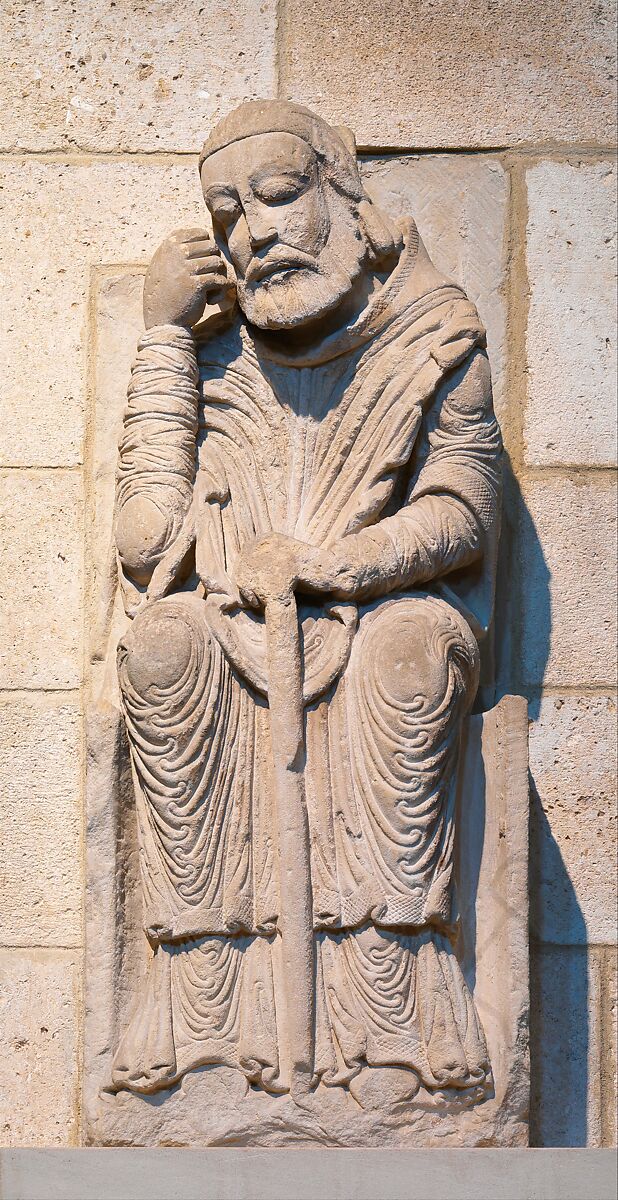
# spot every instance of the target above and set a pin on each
(379, 1088)
(145, 1060)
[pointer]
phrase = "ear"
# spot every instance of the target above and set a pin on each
(381, 235)
(347, 137)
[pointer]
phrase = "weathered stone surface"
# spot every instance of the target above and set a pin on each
(117, 309)
(568, 582)
(430, 74)
(609, 1064)
(56, 222)
(283, 768)
(460, 207)
(40, 803)
(565, 1047)
(573, 853)
(41, 515)
(571, 333)
(131, 76)
(38, 1068)
(492, 870)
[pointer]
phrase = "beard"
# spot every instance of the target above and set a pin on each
(294, 297)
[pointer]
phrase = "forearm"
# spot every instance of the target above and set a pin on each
(430, 537)
(156, 463)
(454, 497)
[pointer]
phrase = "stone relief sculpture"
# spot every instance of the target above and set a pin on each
(307, 516)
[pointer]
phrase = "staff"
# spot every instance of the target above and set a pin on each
(285, 698)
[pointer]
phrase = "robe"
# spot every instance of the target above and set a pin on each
(362, 436)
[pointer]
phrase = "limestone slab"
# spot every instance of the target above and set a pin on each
(573, 770)
(609, 1066)
(431, 75)
(567, 534)
(117, 302)
(571, 333)
(41, 514)
(38, 1071)
(565, 1046)
(114, 910)
(110, 76)
(57, 222)
(237, 1174)
(254, 878)
(460, 207)
(40, 802)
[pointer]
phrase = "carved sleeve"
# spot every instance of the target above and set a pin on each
(453, 499)
(156, 464)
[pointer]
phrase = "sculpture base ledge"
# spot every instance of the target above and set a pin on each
(301, 1174)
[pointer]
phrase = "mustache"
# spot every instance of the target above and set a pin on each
(284, 258)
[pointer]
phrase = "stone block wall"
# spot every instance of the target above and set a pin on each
(493, 123)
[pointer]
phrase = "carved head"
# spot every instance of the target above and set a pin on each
(289, 212)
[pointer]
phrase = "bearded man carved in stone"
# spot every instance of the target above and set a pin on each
(306, 525)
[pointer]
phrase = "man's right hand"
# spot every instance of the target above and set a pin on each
(185, 274)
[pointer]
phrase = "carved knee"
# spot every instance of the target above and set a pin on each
(162, 644)
(418, 646)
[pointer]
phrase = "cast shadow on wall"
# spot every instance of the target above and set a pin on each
(559, 986)
(559, 977)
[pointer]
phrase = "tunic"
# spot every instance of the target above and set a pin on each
(366, 436)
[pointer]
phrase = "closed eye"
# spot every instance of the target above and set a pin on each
(278, 189)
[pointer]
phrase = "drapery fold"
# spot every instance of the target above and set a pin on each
(375, 439)
(382, 999)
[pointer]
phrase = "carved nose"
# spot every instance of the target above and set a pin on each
(260, 233)
(260, 238)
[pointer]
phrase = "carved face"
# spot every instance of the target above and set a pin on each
(294, 242)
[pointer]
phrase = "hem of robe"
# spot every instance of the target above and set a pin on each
(382, 999)
(422, 906)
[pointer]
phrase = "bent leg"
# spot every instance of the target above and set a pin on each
(395, 998)
(193, 731)
(174, 691)
(411, 679)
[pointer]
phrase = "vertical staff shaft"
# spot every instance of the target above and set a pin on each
(285, 697)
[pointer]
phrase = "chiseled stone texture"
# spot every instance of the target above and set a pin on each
(571, 337)
(459, 205)
(55, 221)
(437, 74)
(117, 308)
(565, 1047)
(573, 768)
(41, 548)
(124, 76)
(567, 532)
(40, 882)
(38, 1066)
(610, 1063)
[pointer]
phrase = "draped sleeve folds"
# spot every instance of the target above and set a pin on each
(157, 452)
